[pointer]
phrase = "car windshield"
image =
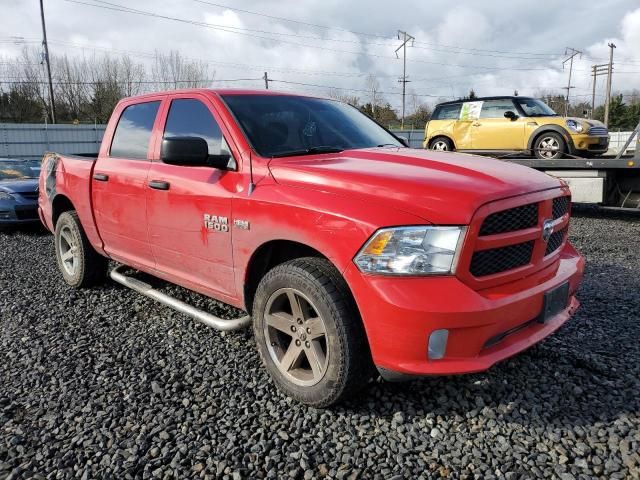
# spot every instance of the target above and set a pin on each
(533, 107)
(283, 125)
(19, 169)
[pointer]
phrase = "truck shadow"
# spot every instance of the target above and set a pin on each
(583, 374)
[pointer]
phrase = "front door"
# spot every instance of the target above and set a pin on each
(189, 208)
(119, 186)
(493, 131)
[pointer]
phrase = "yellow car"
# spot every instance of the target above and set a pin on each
(499, 125)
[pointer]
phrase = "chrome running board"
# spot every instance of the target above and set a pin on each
(178, 305)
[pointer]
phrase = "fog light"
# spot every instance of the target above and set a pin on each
(438, 343)
(581, 145)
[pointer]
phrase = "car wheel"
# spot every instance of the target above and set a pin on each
(442, 144)
(80, 264)
(549, 146)
(309, 334)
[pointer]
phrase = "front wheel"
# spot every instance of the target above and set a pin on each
(309, 334)
(80, 264)
(442, 144)
(549, 146)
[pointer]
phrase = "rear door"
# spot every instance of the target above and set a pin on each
(189, 216)
(493, 131)
(119, 185)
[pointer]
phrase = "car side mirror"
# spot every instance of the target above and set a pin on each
(191, 152)
(510, 115)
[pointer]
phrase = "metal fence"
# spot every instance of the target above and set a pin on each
(31, 140)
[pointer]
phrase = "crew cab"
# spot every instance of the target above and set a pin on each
(351, 254)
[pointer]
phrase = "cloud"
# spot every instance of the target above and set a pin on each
(237, 45)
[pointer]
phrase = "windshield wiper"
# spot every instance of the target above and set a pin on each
(388, 145)
(309, 151)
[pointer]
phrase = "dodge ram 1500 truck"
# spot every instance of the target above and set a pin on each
(349, 252)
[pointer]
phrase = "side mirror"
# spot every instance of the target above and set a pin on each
(510, 115)
(191, 152)
(403, 140)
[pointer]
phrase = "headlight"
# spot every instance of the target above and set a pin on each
(575, 126)
(424, 250)
(6, 196)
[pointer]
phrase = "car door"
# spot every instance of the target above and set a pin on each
(119, 186)
(189, 208)
(493, 131)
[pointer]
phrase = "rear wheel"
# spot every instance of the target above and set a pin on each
(549, 146)
(80, 264)
(441, 143)
(309, 334)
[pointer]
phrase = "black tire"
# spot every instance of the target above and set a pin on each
(546, 141)
(89, 267)
(348, 359)
(443, 144)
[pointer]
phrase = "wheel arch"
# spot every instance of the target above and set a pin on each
(441, 135)
(541, 130)
(60, 204)
(270, 254)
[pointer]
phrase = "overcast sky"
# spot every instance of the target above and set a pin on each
(493, 46)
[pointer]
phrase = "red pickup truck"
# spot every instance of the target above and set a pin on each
(349, 251)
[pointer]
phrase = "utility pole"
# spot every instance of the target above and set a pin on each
(403, 80)
(266, 81)
(607, 101)
(46, 58)
(572, 52)
(597, 70)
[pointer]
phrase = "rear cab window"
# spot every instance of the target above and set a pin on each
(133, 132)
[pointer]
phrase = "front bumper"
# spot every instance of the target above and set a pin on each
(18, 213)
(399, 314)
(590, 143)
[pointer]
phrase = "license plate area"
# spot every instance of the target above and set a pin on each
(555, 301)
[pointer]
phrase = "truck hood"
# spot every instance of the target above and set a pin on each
(25, 185)
(439, 187)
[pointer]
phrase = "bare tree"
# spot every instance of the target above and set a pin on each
(337, 94)
(175, 71)
(131, 76)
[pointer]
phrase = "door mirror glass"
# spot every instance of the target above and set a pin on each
(188, 151)
(511, 115)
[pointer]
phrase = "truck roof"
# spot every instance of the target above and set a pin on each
(219, 91)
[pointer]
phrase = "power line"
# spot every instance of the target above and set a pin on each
(124, 9)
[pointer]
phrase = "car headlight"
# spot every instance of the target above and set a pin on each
(6, 196)
(426, 250)
(575, 126)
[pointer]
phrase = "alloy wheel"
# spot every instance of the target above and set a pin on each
(69, 250)
(549, 147)
(296, 337)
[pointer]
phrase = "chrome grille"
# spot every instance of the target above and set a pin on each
(598, 131)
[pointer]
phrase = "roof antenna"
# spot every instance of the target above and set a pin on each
(252, 186)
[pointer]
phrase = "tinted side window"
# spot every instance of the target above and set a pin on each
(496, 108)
(447, 112)
(131, 138)
(191, 118)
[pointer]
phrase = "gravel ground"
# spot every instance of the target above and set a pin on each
(104, 383)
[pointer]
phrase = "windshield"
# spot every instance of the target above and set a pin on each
(533, 107)
(19, 169)
(282, 125)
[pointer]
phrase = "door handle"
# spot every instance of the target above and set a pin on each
(101, 177)
(159, 185)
